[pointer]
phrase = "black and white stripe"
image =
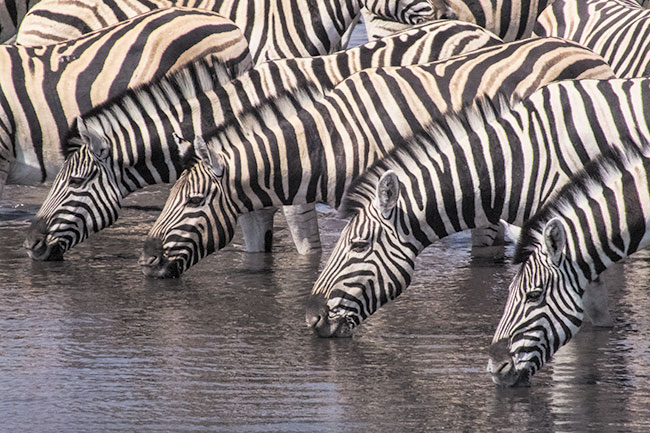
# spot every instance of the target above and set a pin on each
(11, 14)
(598, 219)
(274, 28)
(313, 155)
(618, 30)
(43, 89)
(138, 127)
(476, 168)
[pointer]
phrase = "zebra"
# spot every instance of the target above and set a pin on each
(45, 88)
(274, 28)
(138, 127)
(618, 30)
(488, 163)
(314, 154)
(596, 220)
(11, 14)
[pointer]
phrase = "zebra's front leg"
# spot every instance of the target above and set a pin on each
(303, 224)
(257, 228)
(5, 166)
(488, 241)
(596, 304)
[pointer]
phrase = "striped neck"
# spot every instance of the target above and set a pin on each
(605, 211)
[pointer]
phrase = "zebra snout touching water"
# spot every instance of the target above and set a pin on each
(599, 218)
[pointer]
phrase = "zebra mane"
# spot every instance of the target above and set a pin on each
(270, 112)
(591, 176)
(436, 135)
(200, 76)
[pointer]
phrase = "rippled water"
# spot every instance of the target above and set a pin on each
(89, 344)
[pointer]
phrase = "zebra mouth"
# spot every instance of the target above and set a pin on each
(161, 269)
(43, 251)
(505, 373)
(338, 327)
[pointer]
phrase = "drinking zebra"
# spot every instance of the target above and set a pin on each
(274, 28)
(479, 167)
(43, 89)
(598, 219)
(11, 14)
(138, 127)
(618, 30)
(314, 154)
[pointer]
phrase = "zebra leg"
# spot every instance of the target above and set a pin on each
(303, 224)
(257, 228)
(5, 166)
(488, 241)
(596, 304)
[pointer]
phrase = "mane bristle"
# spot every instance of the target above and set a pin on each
(591, 176)
(431, 135)
(201, 75)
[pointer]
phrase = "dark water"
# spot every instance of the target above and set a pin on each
(89, 344)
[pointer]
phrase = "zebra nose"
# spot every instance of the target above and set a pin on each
(316, 314)
(500, 361)
(152, 252)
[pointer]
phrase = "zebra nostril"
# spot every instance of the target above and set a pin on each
(449, 14)
(316, 313)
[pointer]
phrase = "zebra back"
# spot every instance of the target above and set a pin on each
(45, 88)
(599, 218)
(612, 28)
(274, 28)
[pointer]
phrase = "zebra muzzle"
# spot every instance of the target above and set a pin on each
(318, 319)
(39, 246)
(502, 366)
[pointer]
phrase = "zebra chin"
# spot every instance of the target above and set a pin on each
(318, 319)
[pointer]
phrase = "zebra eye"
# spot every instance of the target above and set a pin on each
(195, 201)
(534, 295)
(76, 182)
(359, 246)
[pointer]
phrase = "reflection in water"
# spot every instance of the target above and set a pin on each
(88, 344)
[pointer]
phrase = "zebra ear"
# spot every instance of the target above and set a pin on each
(97, 143)
(555, 240)
(206, 154)
(387, 193)
(185, 151)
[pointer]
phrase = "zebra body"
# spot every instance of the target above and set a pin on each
(313, 155)
(45, 88)
(479, 167)
(11, 14)
(618, 30)
(192, 104)
(598, 219)
(274, 28)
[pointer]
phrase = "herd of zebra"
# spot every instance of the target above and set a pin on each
(456, 115)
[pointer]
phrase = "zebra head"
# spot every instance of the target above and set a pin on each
(371, 264)
(544, 308)
(410, 11)
(198, 217)
(84, 198)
